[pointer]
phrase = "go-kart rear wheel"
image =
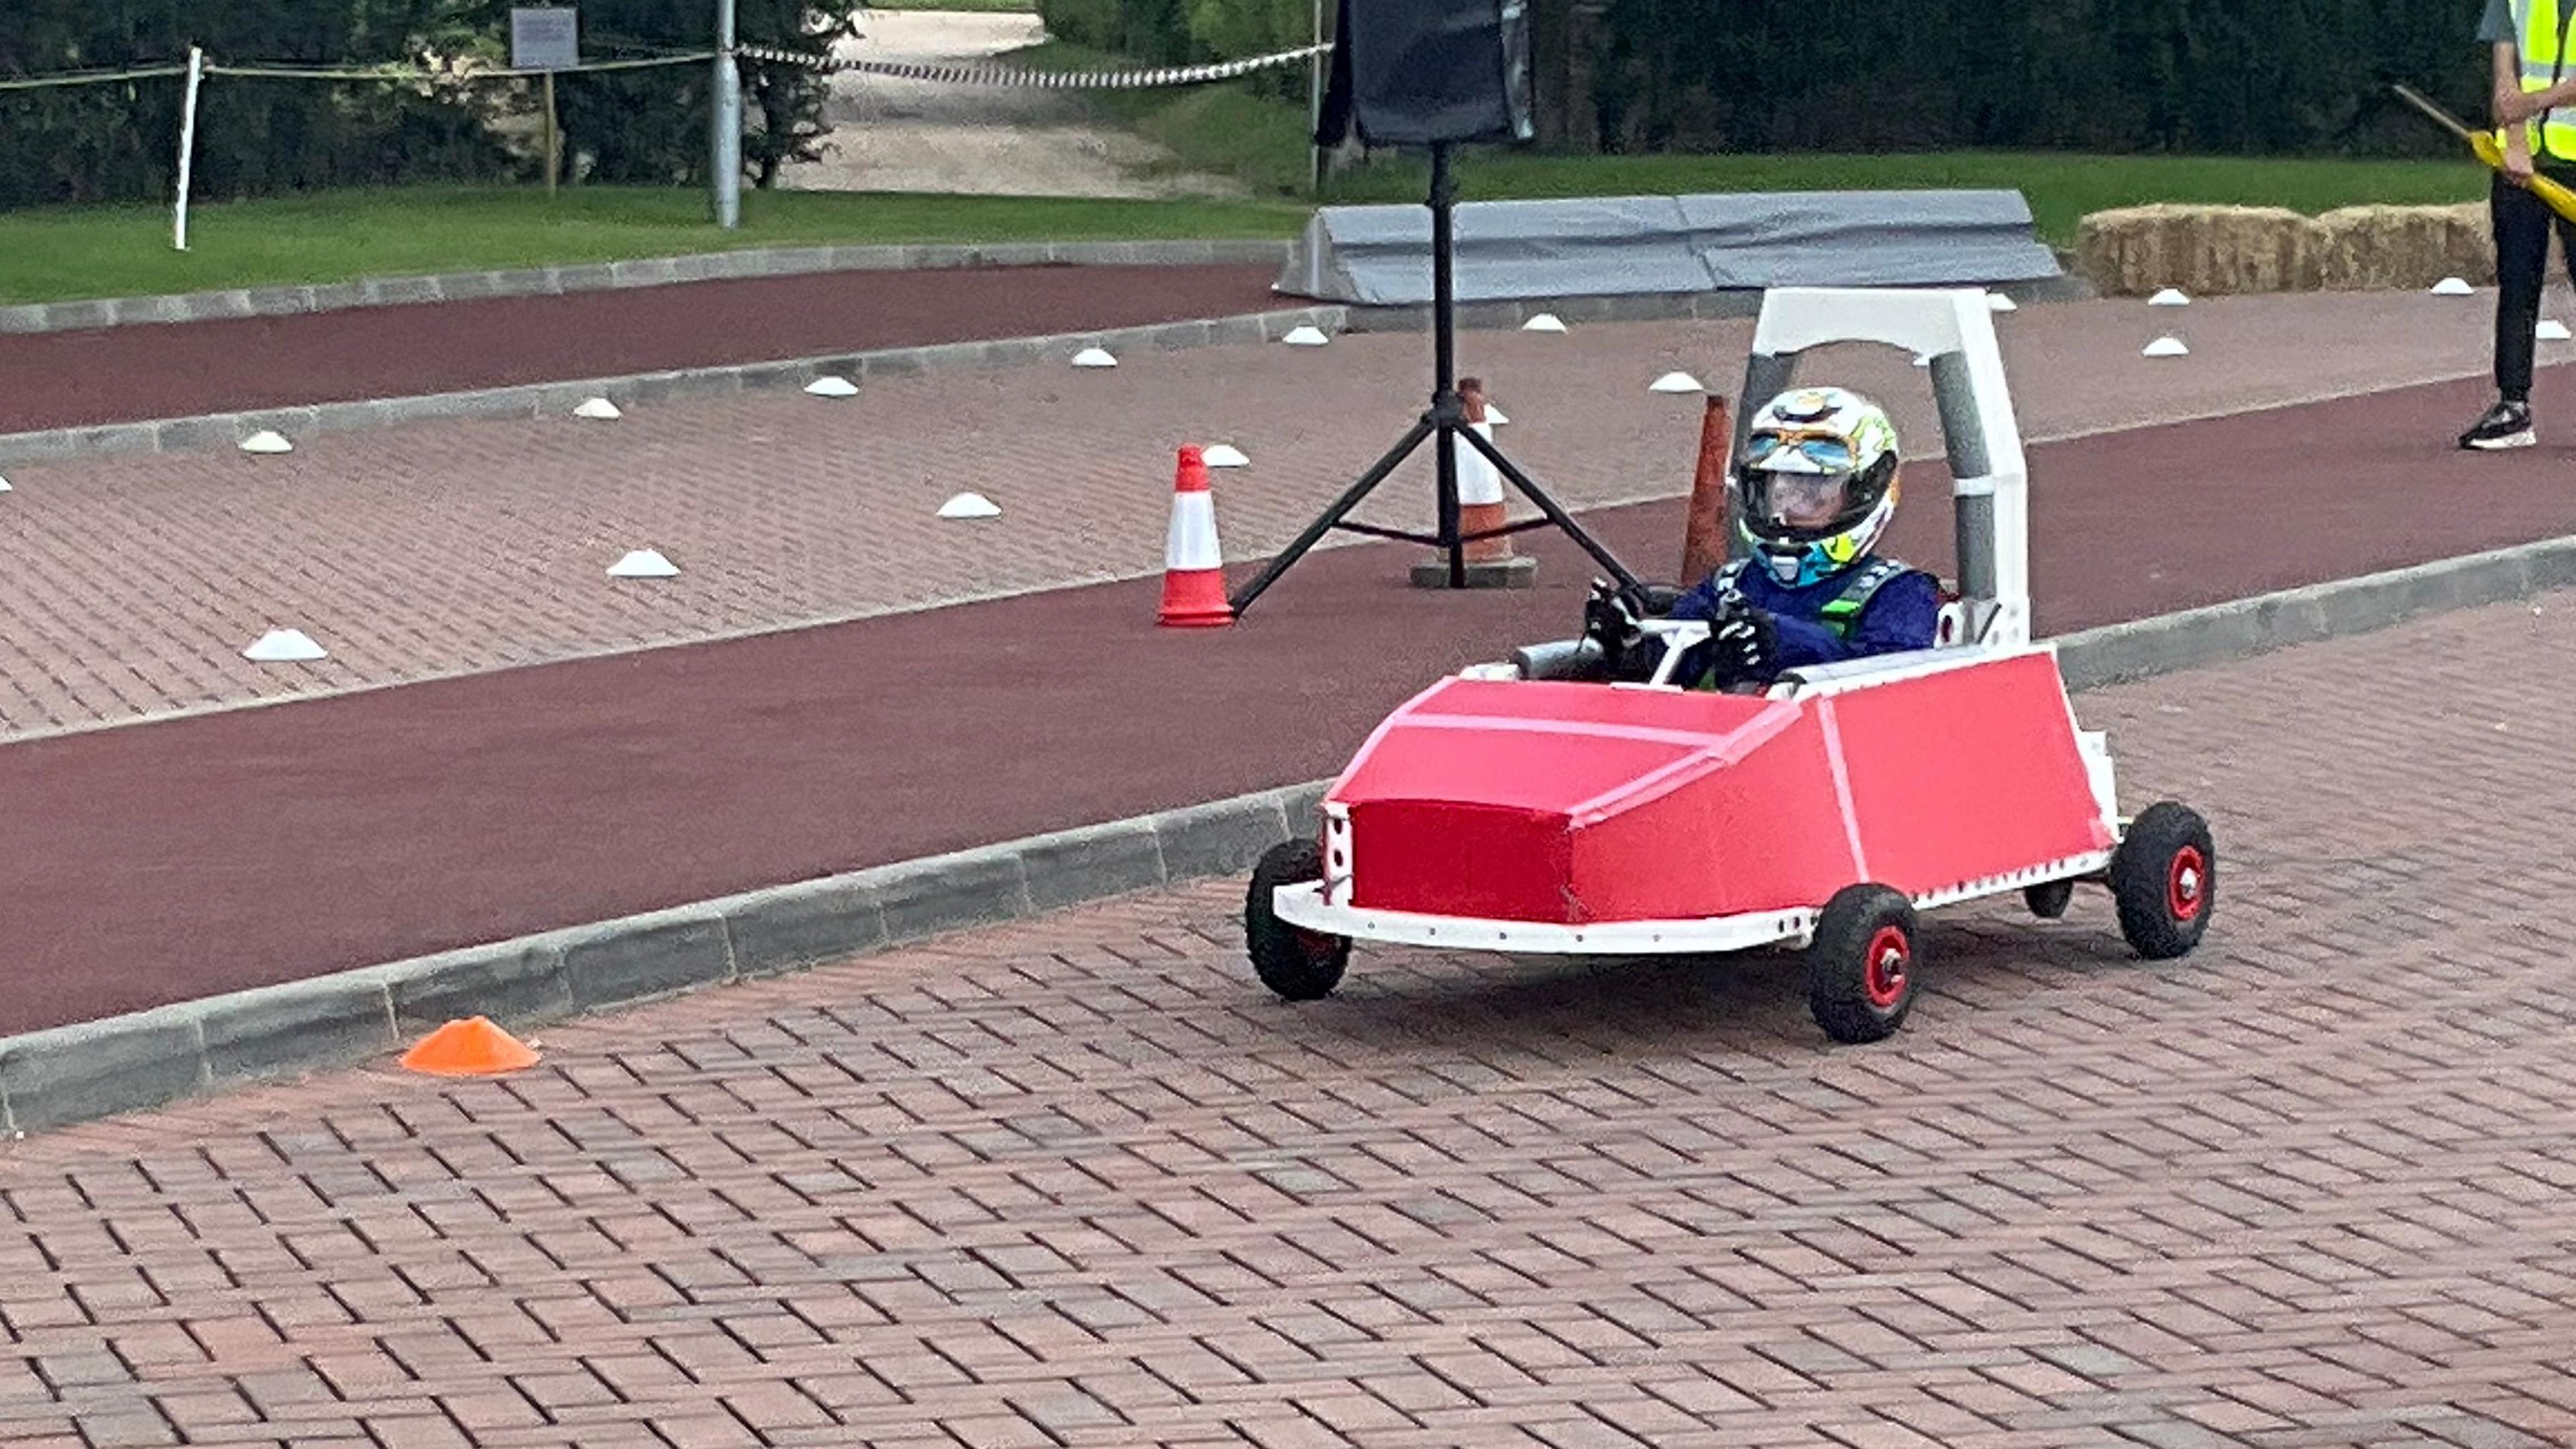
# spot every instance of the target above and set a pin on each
(1300, 965)
(2165, 878)
(1862, 963)
(2048, 899)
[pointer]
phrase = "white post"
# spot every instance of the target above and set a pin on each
(187, 146)
(1315, 106)
(727, 122)
(554, 135)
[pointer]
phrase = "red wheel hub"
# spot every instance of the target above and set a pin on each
(1889, 955)
(2187, 883)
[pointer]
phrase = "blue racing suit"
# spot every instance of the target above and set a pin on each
(1871, 606)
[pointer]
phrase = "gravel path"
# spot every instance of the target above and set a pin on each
(900, 135)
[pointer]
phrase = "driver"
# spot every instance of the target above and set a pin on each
(1815, 490)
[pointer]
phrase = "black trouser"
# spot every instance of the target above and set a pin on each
(2522, 222)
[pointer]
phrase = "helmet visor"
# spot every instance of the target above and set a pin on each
(1804, 500)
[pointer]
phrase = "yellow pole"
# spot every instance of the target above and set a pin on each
(2482, 144)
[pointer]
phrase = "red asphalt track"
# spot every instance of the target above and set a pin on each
(154, 863)
(130, 374)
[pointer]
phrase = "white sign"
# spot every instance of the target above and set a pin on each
(545, 38)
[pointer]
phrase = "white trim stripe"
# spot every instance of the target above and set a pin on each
(1479, 481)
(1192, 544)
(1842, 785)
(1305, 905)
(1517, 724)
(1656, 784)
(1001, 75)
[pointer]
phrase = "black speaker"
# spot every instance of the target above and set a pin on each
(1428, 72)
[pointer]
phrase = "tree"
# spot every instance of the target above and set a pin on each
(649, 126)
(118, 141)
(789, 98)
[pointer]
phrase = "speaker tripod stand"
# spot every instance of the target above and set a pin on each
(1447, 421)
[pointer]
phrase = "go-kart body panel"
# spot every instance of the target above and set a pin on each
(1964, 774)
(1582, 805)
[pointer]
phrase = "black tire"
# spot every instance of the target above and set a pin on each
(1299, 965)
(1862, 964)
(2165, 878)
(2048, 899)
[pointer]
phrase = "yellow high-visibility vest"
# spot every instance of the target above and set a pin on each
(2542, 54)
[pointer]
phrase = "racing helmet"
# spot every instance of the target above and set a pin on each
(1817, 482)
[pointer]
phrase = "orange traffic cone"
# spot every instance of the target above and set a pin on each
(1490, 561)
(1193, 565)
(473, 1047)
(1704, 529)
(1480, 486)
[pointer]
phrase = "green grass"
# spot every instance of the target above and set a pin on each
(1229, 130)
(60, 254)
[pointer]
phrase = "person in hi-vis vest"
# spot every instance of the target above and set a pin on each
(2534, 106)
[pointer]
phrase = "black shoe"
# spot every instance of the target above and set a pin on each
(2506, 425)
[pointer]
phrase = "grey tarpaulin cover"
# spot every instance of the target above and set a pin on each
(1608, 246)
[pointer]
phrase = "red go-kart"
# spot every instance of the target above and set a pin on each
(1500, 810)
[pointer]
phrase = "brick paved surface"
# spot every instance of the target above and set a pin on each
(1080, 1182)
(437, 548)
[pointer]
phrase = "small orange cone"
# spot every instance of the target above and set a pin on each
(1193, 565)
(473, 1047)
(1490, 562)
(1704, 531)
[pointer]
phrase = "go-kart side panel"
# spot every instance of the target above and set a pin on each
(1965, 774)
(1762, 833)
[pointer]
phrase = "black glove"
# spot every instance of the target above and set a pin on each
(1743, 645)
(1608, 621)
(1660, 598)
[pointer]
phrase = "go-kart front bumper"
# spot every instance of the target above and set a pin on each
(1304, 907)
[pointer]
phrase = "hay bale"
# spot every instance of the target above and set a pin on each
(2470, 250)
(2403, 247)
(2205, 250)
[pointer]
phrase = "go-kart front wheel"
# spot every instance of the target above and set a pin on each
(1862, 962)
(2165, 878)
(1300, 965)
